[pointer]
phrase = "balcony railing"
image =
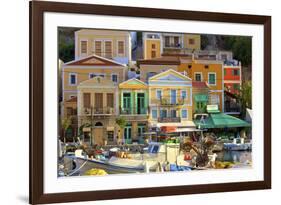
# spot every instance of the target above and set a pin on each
(172, 102)
(134, 111)
(172, 45)
(169, 119)
(99, 111)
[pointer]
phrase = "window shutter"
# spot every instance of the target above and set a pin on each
(109, 99)
(121, 47)
(87, 100)
(108, 49)
(84, 47)
(98, 100)
(98, 50)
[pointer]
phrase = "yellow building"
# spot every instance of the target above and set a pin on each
(209, 71)
(157, 44)
(170, 100)
(98, 106)
(199, 70)
(77, 71)
(111, 44)
(134, 108)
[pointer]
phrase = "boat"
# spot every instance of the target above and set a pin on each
(234, 146)
(149, 161)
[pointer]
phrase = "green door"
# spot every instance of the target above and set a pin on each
(140, 103)
(128, 134)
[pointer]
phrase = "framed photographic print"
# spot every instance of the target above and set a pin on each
(132, 102)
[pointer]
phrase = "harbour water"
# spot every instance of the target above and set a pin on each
(235, 156)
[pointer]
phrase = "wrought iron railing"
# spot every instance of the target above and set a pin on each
(134, 111)
(169, 119)
(99, 111)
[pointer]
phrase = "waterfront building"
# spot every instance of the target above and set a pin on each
(209, 71)
(134, 109)
(98, 104)
(115, 45)
(170, 100)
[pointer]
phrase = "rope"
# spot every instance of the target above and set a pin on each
(78, 168)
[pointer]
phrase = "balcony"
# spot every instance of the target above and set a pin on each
(169, 119)
(98, 111)
(172, 45)
(166, 101)
(134, 111)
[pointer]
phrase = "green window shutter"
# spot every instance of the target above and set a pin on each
(135, 94)
(145, 101)
(121, 100)
(131, 101)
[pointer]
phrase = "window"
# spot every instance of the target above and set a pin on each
(153, 54)
(110, 136)
(206, 66)
(235, 72)
(189, 66)
(158, 94)
(86, 100)
(184, 94)
(121, 47)
(154, 114)
(163, 113)
(98, 48)
(153, 46)
(109, 100)
(108, 49)
(184, 113)
(212, 79)
(176, 41)
(98, 100)
(72, 78)
(167, 41)
(198, 77)
(114, 78)
(191, 41)
(173, 113)
(84, 47)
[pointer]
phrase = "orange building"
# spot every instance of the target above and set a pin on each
(209, 71)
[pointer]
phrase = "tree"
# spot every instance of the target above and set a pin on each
(245, 97)
(241, 47)
(121, 122)
(66, 123)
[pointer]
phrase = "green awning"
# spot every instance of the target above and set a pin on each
(201, 98)
(221, 120)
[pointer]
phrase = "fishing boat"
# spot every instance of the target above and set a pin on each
(235, 146)
(152, 160)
